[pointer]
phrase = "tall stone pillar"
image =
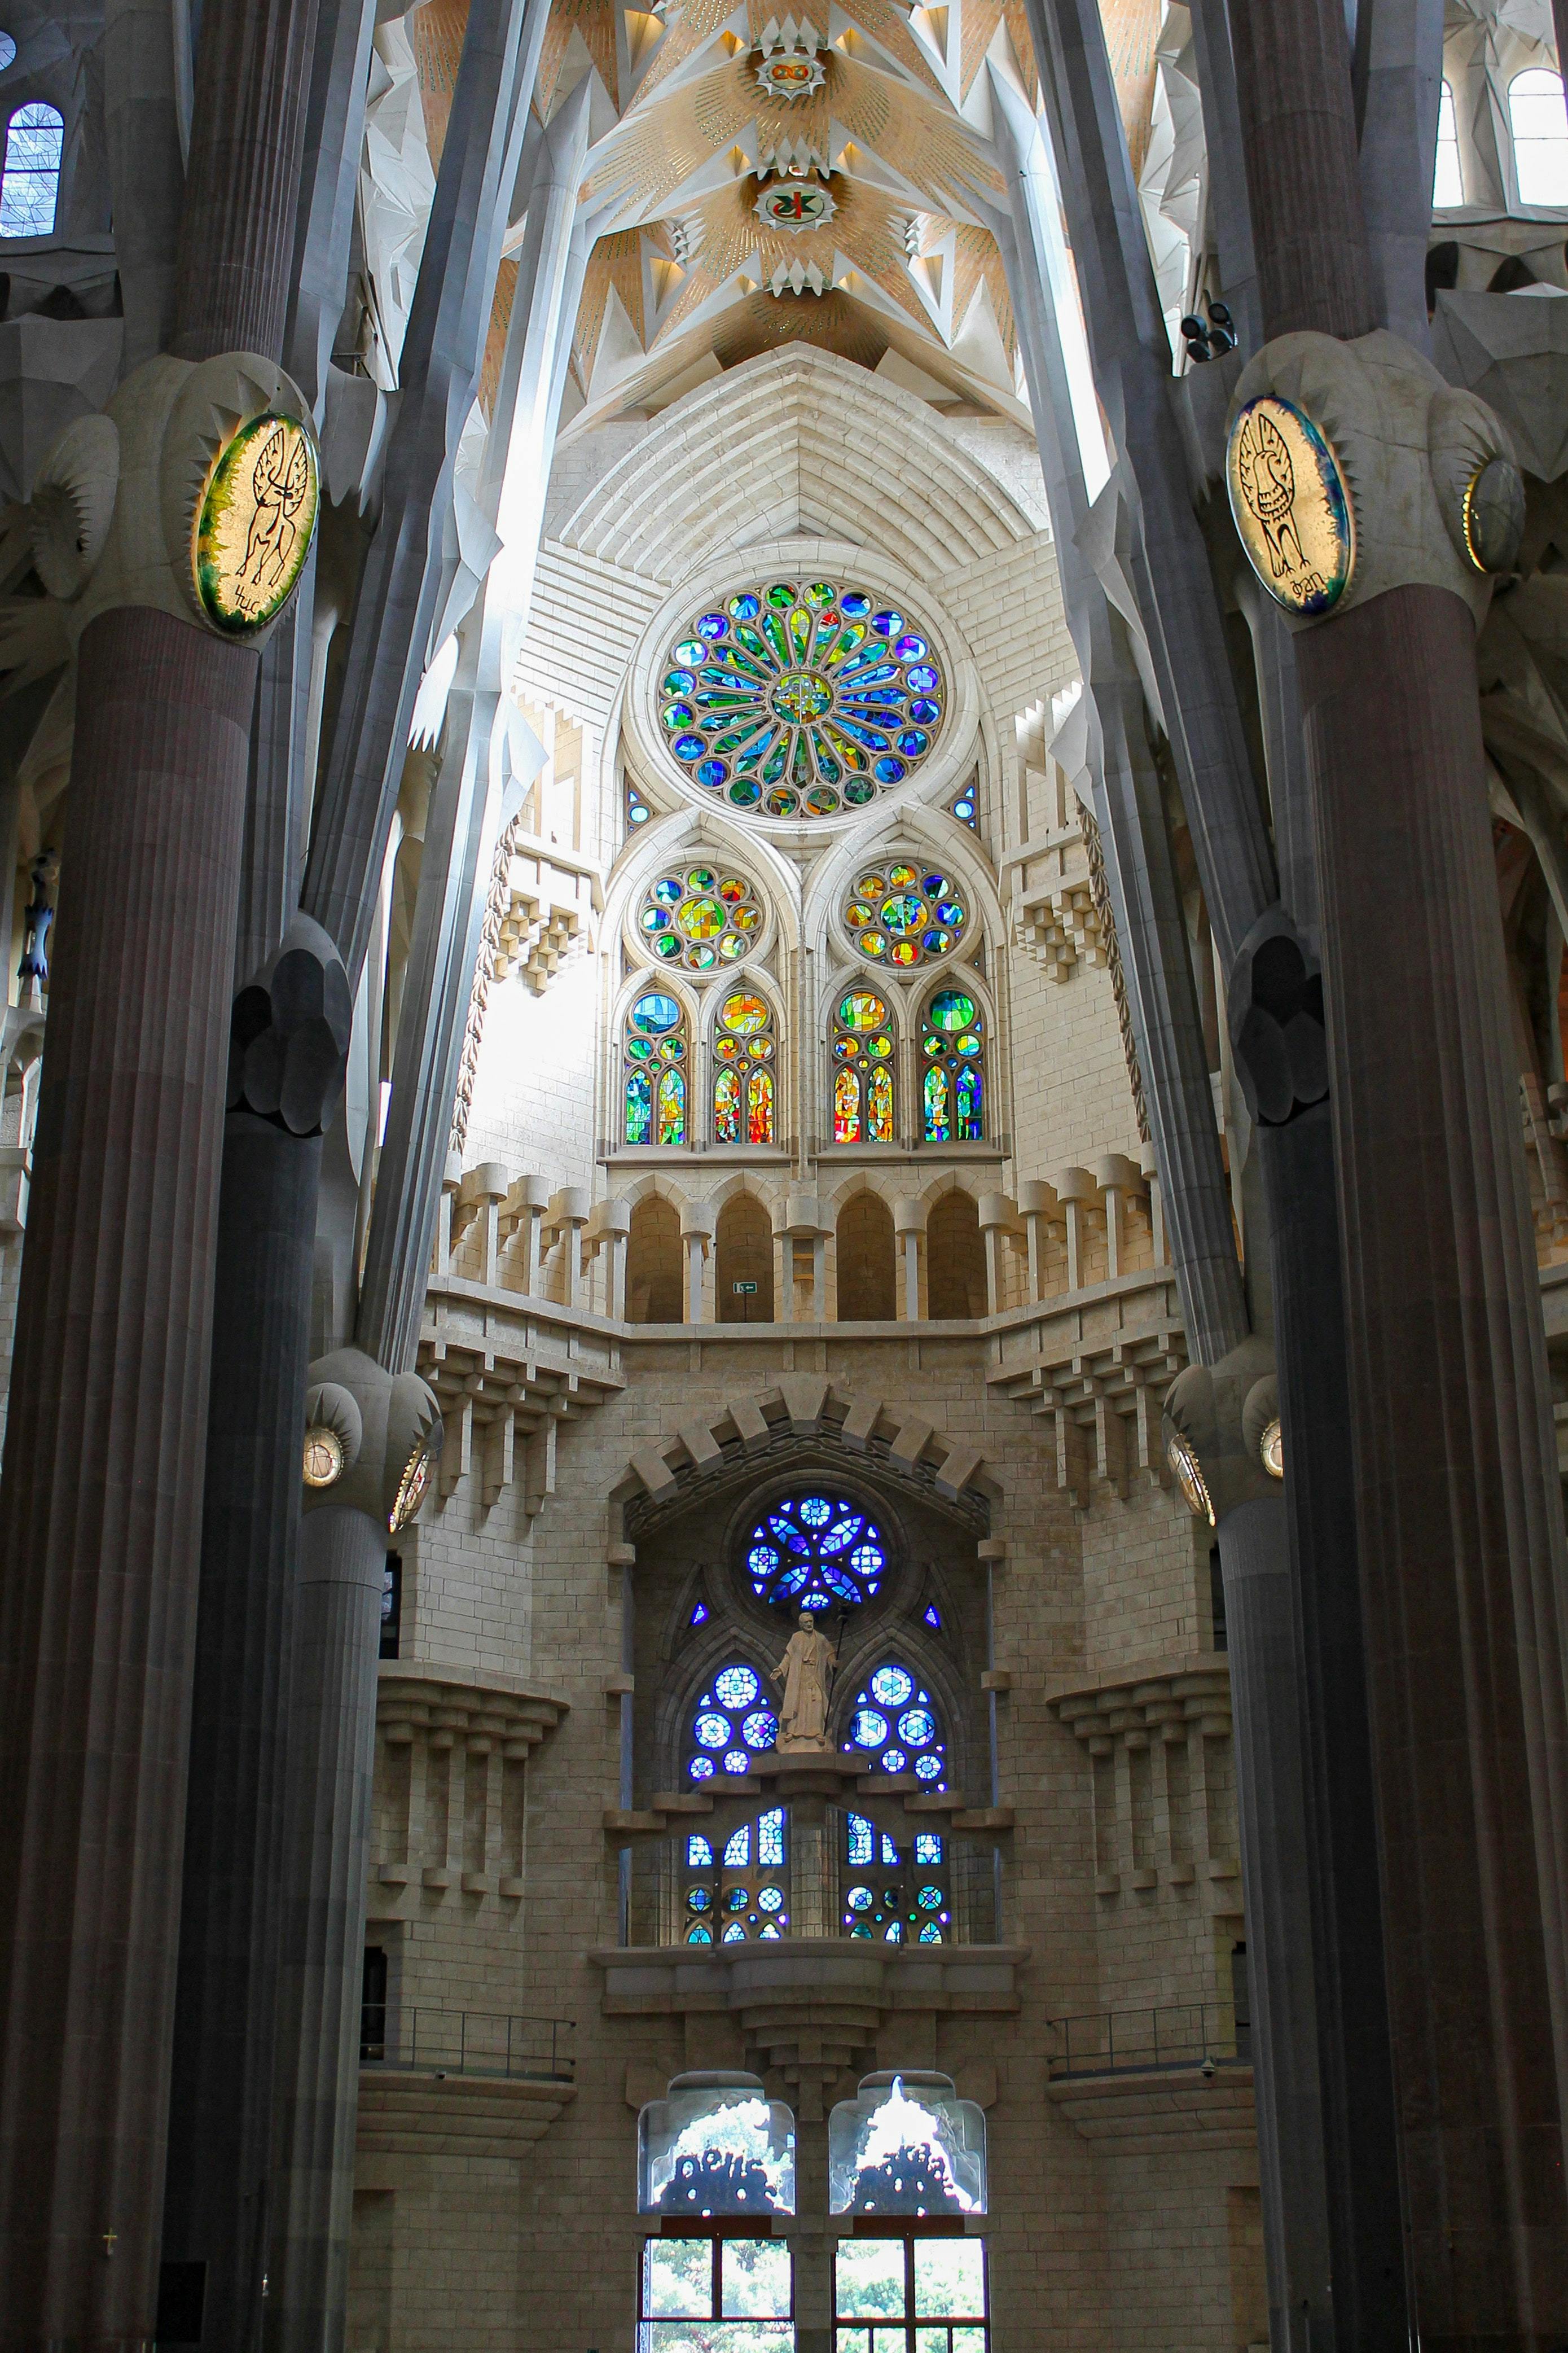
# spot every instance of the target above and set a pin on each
(288, 1036)
(99, 1507)
(376, 1439)
(1459, 1510)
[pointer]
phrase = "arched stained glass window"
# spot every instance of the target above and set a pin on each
(745, 1089)
(1539, 125)
(29, 189)
(733, 1719)
(862, 1069)
(953, 1069)
(895, 1727)
(895, 1890)
(737, 1888)
(700, 917)
(798, 700)
(654, 1079)
(1447, 180)
(903, 915)
(812, 1551)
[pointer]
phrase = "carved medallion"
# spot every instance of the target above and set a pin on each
(791, 73)
(794, 205)
(254, 524)
(1291, 505)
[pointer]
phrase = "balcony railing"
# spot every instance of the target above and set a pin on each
(466, 2042)
(1138, 2042)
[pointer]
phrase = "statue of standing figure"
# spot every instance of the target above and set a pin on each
(805, 1671)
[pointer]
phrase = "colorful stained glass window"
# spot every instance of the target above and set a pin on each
(862, 1069)
(798, 700)
(701, 917)
(653, 1078)
(952, 1073)
(814, 1551)
(894, 1724)
(745, 1090)
(965, 807)
(903, 915)
(744, 1884)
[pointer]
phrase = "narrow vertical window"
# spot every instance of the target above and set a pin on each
(1539, 126)
(1448, 181)
(952, 1075)
(862, 1072)
(652, 1080)
(743, 1087)
(29, 190)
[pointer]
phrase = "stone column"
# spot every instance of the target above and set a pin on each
(288, 1036)
(1459, 1507)
(386, 1431)
(697, 1226)
(910, 1219)
(1208, 1418)
(101, 1504)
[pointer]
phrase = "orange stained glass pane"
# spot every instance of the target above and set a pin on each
(760, 1107)
(727, 1107)
(846, 1107)
(880, 1105)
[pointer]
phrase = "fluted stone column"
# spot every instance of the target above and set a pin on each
(382, 1427)
(99, 1507)
(288, 1036)
(1459, 1508)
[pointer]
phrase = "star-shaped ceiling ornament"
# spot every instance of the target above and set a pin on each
(789, 66)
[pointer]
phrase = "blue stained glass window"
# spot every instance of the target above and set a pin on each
(930, 1934)
(895, 1935)
(736, 1761)
(890, 1852)
(760, 1729)
(35, 142)
(698, 1615)
(884, 1730)
(771, 1839)
(712, 1729)
(734, 1934)
(862, 1839)
(699, 1854)
(701, 1935)
(701, 1769)
(812, 1552)
(738, 1846)
(933, 1616)
(928, 1847)
(735, 1687)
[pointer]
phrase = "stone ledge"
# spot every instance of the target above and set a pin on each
(478, 1702)
(425, 2113)
(1157, 2111)
(640, 1979)
(1142, 1699)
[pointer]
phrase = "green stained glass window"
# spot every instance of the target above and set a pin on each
(901, 915)
(703, 918)
(801, 699)
(952, 1076)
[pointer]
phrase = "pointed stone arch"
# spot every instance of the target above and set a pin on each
(805, 1410)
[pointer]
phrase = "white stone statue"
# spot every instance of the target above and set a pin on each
(805, 1671)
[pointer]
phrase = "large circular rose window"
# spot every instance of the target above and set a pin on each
(801, 698)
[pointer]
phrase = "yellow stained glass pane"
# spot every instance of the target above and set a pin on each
(870, 886)
(901, 878)
(846, 1107)
(743, 1014)
(861, 1010)
(760, 1107)
(700, 919)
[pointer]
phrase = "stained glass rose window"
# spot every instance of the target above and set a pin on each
(801, 698)
(700, 917)
(903, 915)
(812, 1551)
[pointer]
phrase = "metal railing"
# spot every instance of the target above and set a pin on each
(1206, 2034)
(466, 2043)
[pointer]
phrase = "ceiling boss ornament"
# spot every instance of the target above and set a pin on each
(789, 67)
(794, 205)
(253, 525)
(1291, 505)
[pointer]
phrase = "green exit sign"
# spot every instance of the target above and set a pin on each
(744, 1289)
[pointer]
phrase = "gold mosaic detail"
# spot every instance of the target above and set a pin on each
(253, 525)
(1291, 505)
